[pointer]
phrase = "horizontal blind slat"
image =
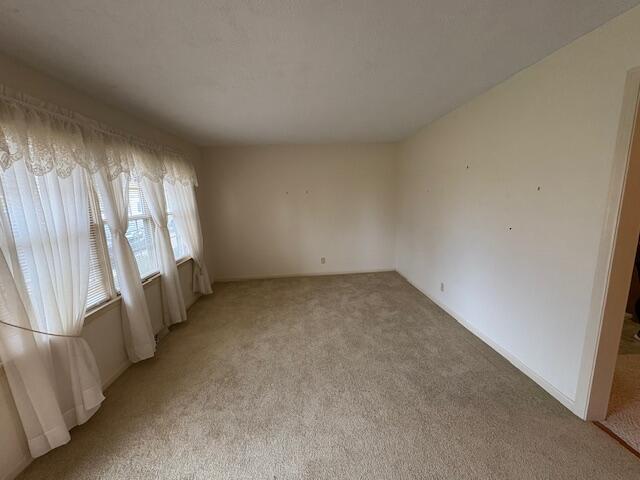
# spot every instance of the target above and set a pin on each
(98, 289)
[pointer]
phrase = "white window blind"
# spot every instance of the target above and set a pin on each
(100, 287)
(18, 231)
(12, 205)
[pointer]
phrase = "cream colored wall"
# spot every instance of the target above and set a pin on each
(505, 199)
(276, 210)
(103, 330)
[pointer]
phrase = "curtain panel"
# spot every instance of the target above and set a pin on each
(188, 222)
(172, 298)
(48, 230)
(138, 334)
(27, 370)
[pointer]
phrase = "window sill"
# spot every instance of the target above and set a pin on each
(111, 304)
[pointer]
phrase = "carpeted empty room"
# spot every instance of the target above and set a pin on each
(319, 239)
(350, 376)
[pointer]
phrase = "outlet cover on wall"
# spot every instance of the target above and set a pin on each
(442, 286)
(323, 260)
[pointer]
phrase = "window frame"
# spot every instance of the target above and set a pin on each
(178, 235)
(91, 315)
(142, 217)
(171, 215)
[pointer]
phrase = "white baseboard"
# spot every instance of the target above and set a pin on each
(114, 376)
(515, 361)
(297, 275)
(193, 301)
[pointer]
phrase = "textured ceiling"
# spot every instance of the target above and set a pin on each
(280, 71)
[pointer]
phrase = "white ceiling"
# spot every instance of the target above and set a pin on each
(299, 71)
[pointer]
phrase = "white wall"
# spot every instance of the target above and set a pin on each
(504, 200)
(276, 210)
(103, 330)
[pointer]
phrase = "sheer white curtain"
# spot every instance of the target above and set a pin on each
(172, 297)
(185, 213)
(28, 376)
(48, 157)
(50, 229)
(138, 331)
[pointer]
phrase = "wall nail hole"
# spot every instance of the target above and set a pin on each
(538, 188)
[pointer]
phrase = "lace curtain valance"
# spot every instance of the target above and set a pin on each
(47, 137)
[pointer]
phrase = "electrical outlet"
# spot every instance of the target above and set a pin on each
(323, 260)
(442, 286)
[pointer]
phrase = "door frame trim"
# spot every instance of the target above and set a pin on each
(617, 250)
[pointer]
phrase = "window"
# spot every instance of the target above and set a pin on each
(100, 282)
(178, 244)
(139, 233)
(29, 239)
(19, 230)
(103, 277)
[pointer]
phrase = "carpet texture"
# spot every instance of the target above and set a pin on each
(340, 377)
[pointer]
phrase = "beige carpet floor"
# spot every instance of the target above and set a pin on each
(624, 407)
(341, 377)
